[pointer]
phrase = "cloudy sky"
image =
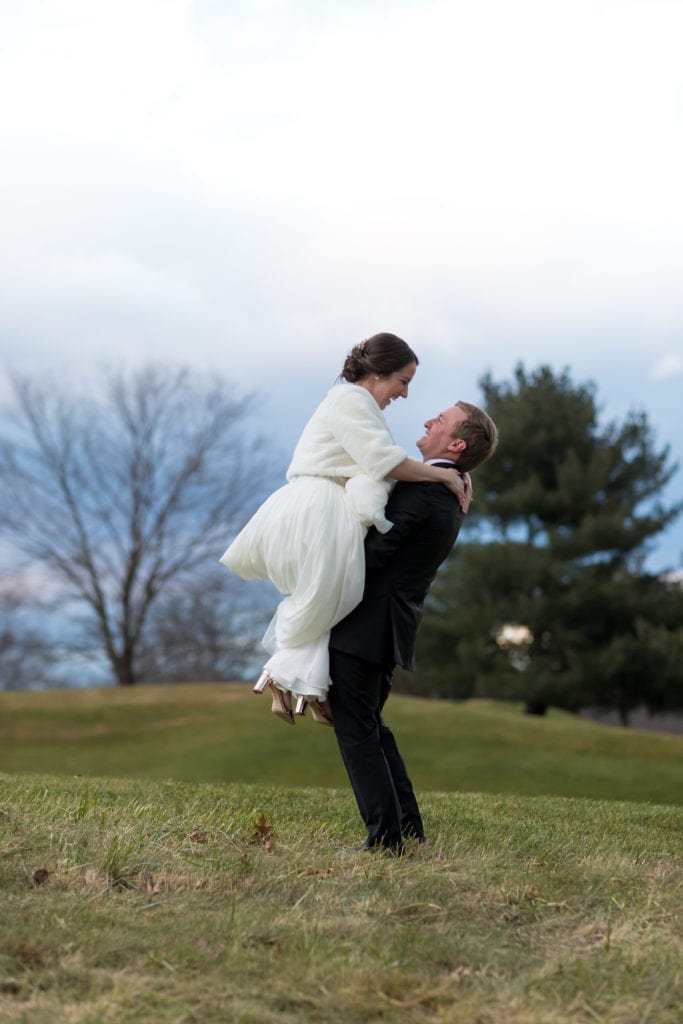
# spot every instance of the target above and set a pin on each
(252, 186)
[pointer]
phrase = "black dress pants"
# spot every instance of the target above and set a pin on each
(378, 776)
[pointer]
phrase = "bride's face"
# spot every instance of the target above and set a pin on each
(386, 389)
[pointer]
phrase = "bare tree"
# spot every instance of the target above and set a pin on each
(123, 493)
(26, 654)
(206, 630)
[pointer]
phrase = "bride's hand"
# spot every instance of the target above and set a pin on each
(467, 481)
(461, 486)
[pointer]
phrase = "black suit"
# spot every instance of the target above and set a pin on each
(378, 635)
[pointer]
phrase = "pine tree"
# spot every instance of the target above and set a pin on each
(551, 604)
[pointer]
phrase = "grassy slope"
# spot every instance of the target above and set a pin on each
(223, 733)
(159, 907)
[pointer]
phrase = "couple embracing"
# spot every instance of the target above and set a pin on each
(354, 541)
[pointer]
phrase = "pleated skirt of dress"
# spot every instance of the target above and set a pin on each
(306, 539)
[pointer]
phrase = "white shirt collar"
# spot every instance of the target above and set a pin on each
(430, 462)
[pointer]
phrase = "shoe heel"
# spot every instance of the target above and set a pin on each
(301, 705)
(262, 683)
(280, 705)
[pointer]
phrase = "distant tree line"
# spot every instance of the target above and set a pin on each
(117, 504)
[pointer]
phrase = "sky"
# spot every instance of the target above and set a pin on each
(252, 187)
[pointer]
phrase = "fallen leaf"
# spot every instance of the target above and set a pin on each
(416, 910)
(461, 971)
(263, 833)
(270, 941)
(40, 876)
(198, 836)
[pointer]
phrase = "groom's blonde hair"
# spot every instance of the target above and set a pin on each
(480, 434)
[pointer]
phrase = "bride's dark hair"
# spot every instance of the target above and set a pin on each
(381, 354)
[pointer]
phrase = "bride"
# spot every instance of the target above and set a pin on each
(307, 537)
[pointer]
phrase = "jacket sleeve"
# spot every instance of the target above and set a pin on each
(409, 509)
(360, 428)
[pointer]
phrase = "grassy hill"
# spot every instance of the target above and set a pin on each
(222, 733)
(144, 901)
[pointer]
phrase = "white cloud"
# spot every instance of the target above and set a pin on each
(257, 184)
(669, 365)
(506, 153)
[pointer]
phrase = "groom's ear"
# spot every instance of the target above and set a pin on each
(458, 444)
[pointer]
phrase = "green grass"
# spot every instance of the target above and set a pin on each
(222, 733)
(159, 906)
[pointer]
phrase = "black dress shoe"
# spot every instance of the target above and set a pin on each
(410, 836)
(396, 850)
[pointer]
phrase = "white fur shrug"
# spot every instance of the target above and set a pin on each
(348, 438)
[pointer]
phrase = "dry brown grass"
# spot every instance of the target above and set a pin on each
(163, 905)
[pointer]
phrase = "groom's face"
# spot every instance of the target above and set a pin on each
(438, 440)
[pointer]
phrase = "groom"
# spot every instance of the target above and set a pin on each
(380, 632)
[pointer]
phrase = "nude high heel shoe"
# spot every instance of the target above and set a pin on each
(282, 704)
(320, 710)
(262, 682)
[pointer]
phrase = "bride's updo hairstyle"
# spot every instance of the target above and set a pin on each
(381, 354)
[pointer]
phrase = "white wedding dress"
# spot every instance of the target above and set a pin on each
(307, 537)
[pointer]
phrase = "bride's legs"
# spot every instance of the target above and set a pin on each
(298, 634)
(302, 670)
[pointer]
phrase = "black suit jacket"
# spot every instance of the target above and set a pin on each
(400, 568)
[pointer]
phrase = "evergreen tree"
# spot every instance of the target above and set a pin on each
(551, 603)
